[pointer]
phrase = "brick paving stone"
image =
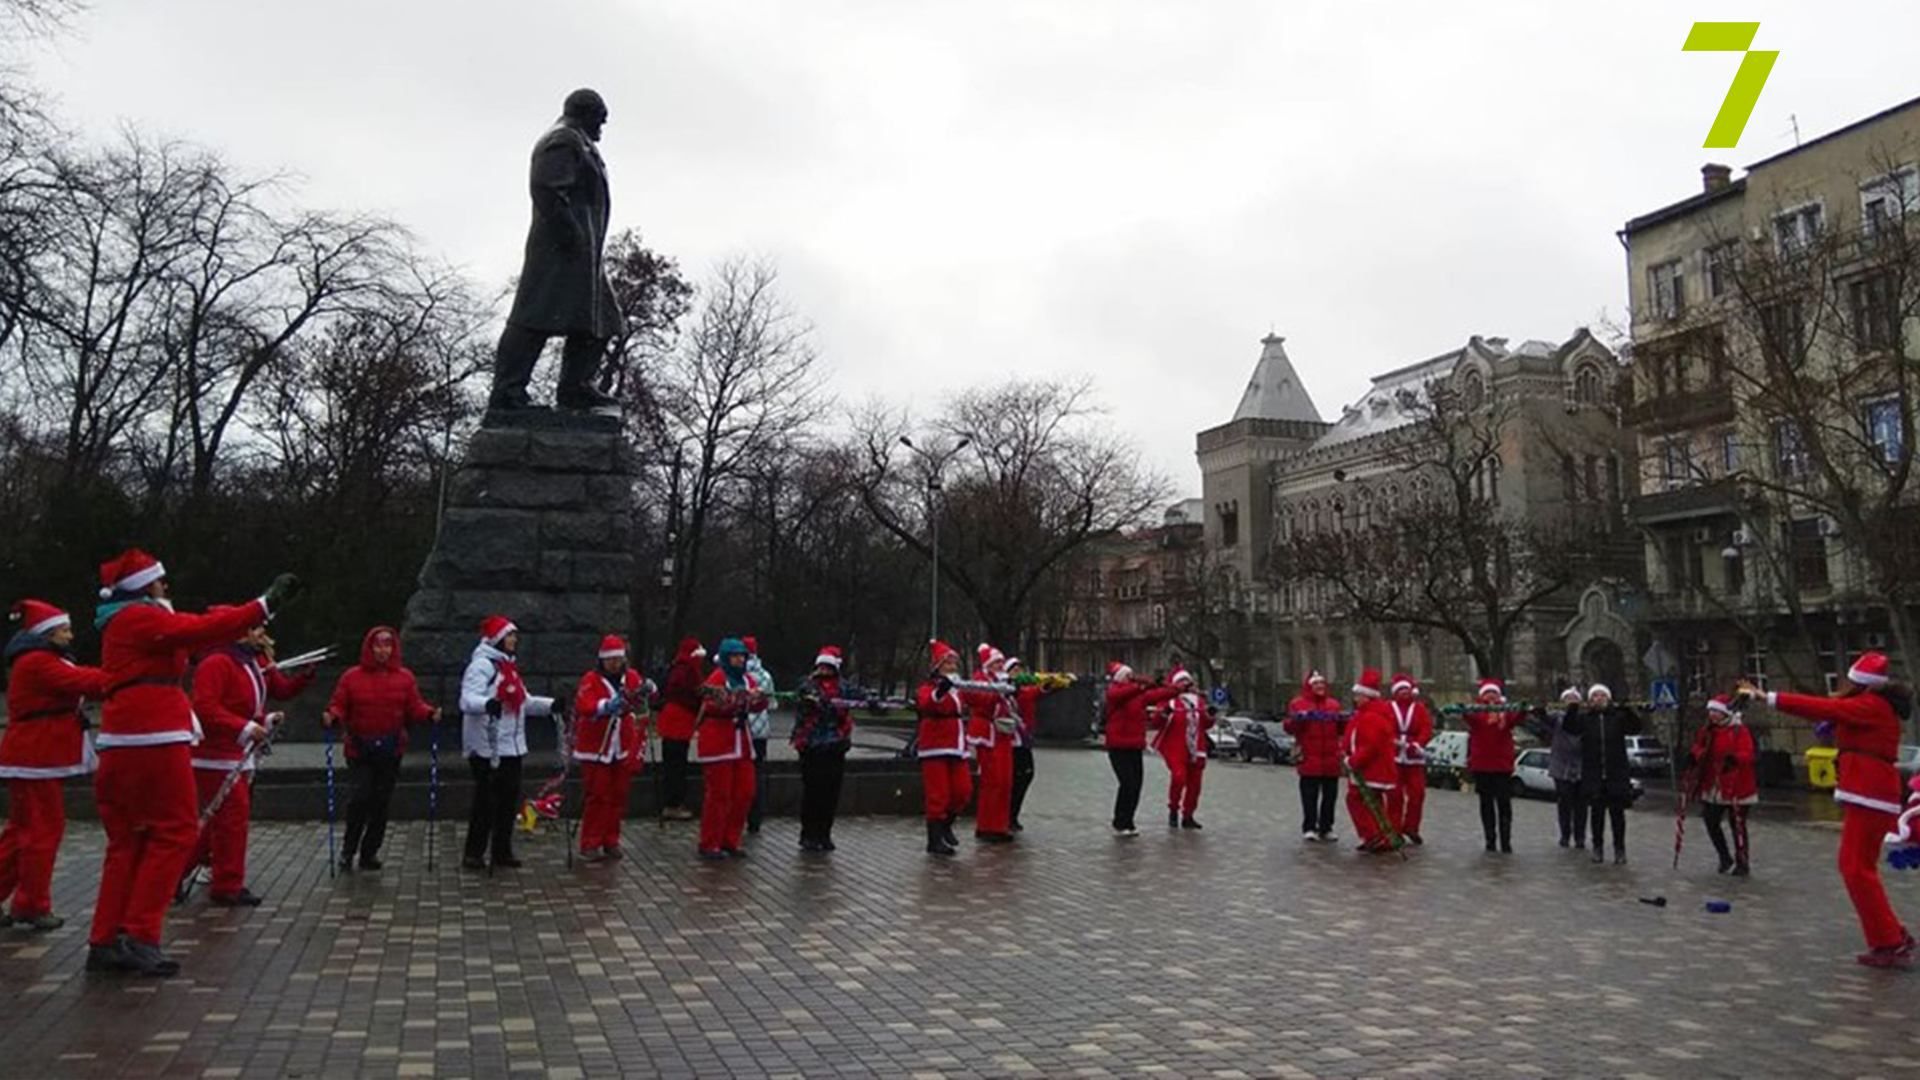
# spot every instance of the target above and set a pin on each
(1236, 951)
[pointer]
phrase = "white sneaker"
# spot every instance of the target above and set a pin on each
(1129, 832)
(1311, 838)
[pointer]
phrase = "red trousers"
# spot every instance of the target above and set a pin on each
(946, 785)
(1183, 779)
(1407, 804)
(1861, 833)
(994, 814)
(36, 819)
(223, 843)
(606, 786)
(1363, 820)
(147, 807)
(726, 796)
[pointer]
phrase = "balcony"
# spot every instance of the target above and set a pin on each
(1682, 411)
(1720, 497)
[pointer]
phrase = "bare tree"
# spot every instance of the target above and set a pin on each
(1039, 478)
(1446, 557)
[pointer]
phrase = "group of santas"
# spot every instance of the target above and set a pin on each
(1169, 717)
(988, 722)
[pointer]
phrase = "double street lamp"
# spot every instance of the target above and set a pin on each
(936, 463)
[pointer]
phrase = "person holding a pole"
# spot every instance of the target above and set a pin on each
(373, 703)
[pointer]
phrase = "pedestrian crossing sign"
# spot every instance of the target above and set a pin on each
(1666, 695)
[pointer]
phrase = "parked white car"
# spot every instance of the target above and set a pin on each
(1530, 774)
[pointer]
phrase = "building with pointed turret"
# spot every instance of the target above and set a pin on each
(1279, 468)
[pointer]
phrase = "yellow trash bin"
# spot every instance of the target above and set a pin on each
(1823, 768)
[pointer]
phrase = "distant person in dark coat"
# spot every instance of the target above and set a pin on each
(1605, 782)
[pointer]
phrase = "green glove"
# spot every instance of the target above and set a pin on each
(284, 588)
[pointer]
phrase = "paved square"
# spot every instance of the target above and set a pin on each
(1236, 951)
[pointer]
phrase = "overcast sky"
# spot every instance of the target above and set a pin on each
(1136, 191)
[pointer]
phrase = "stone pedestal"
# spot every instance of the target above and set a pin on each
(538, 528)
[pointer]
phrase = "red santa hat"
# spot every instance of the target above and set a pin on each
(39, 617)
(1180, 677)
(1117, 671)
(988, 656)
(829, 657)
(1012, 662)
(752, 644)
(612, 646)
(1720, 705)
(1401, 682)
(495, 628)
(1491, 686)
(1316, 676)
(942, 652)
(1369, 684)
(1869, 670)
(129, 571)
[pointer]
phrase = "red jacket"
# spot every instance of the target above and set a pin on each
(722, 732)
(941, 733)
(1724, 755)
(1369, 744)
(1490, 741)
(1027, 701)
(45, 739)
(377, 701)
(144, 650)
(1867, 733)
(1186, 727)
(231, 688)
(1413, 730)
(984, 708)
(1127, 704)
(1313, 721)
(681, 695)
(615, 735)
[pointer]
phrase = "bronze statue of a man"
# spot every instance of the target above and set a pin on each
(563, 289)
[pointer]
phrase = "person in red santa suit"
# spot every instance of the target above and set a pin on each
(1867, 712)
(1490, 755)
(145, 787)
(1316, 720)
(374, 701)
(1369, 754)
(1128, 699)
(1723, 751)
(609, 741)
(940, 742)
(724, 750)
(1183, 743)
(1413, 730)
(991, 724)
(679, 708)
(232, 685)
(45, 742)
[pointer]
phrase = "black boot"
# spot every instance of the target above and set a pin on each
(1726, 862)
(1619, 856)
(109, 957)
(1189, 823)
(946, 834)
(1599, 852)
(146, 959)
(937, 839)
(576, 389)
(1173, 819)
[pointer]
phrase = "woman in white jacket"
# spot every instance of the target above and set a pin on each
(494, 706)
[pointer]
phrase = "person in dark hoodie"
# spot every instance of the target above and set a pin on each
(679, 710)
(1602, 728)
(45, 743)
(374, 700)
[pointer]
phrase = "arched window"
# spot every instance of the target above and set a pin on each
(1588, 387)
(1473, 389)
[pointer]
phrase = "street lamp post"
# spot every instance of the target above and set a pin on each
(937, 463)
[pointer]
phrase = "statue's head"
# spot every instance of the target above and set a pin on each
(586, 110)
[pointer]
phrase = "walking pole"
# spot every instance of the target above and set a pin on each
(333, 867)
(433, 785)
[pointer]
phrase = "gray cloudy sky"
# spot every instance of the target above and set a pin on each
(955, 191)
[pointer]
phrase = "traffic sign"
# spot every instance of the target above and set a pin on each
(1666, 694)
(1219, 695)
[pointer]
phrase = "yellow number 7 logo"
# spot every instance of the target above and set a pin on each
(1755, 66)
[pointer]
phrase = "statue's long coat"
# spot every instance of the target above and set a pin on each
(563, 283)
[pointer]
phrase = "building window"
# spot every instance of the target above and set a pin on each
(1729, 453)
(1807, 543)
(1755, 663)
(1783, 329)
(1721, 260)
(1873, 305)
(1736, 571)
(1684, 565)
(1795, 230)
(1717, 361)
(1883, 429)
(1569, 480)
(1474, 389)
(1229, 524)
(1699, 672)
(1593, 478)
(1885, 201)
(1789, 451)
(1587, 388)
(1669, 286)
(1676, 464)
(1614, 489)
